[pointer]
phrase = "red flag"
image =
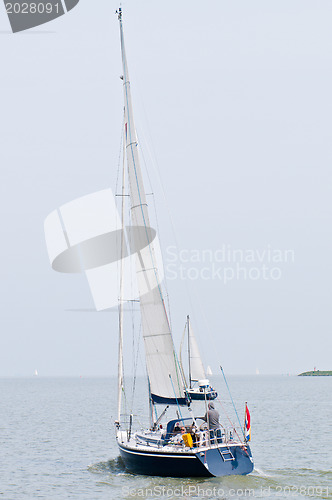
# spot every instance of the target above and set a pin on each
(247, 425)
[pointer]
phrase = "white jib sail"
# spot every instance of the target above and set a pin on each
(197, 371)
(162, 367)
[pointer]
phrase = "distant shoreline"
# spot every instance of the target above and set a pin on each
(317, 373)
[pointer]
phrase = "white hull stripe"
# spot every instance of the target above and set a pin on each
(199, 449)
(156, 454)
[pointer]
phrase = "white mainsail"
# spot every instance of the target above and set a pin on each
(166, 384)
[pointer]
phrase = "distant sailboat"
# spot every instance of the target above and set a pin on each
(209, 371)
(198, 386)
(36, 373)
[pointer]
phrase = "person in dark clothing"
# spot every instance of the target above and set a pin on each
(212, 417)
(177, 428)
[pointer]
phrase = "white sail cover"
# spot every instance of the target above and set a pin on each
(166, 384)
(196, 366)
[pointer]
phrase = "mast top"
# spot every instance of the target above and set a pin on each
(119, 13)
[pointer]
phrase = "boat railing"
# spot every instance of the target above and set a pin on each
(215, 436)
(211, 437)
(201, 438)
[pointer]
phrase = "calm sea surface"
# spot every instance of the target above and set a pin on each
(57, 441)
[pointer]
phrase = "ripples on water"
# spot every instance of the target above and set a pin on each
(260, 484)
(52, 429)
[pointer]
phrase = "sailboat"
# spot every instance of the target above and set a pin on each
(160, 449)
(198, 386)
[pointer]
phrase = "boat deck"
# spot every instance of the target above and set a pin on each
(153, 442)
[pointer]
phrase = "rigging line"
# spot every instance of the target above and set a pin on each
(121, 382)
(117, 236)
(132, 315)
(176, 399)
(135, 360)
(154, 162)
(158, 228)
(133, 363)
(180, 358)
(207, 418)
(229, 392)
(232, 423)
(178, 369)
(125, 401)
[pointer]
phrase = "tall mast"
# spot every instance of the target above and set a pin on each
(120, 352)
(181, 350)
(189, 352)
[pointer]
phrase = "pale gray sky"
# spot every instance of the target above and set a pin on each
(234, 99)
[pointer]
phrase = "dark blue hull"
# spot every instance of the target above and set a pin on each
(209, 463)
(200, 396)
(196, 395)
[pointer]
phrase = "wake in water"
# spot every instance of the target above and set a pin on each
(260, 473)
(113, 466)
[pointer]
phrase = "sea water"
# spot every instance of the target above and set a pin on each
(57, 440)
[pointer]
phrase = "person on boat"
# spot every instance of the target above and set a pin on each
(177, 438)
(193, 433)
(177, 428)
(212, 417)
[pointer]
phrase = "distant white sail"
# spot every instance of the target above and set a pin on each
(196, 367)
(166, 384)
(209, 371)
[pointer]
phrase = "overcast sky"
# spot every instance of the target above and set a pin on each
(233, 100)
